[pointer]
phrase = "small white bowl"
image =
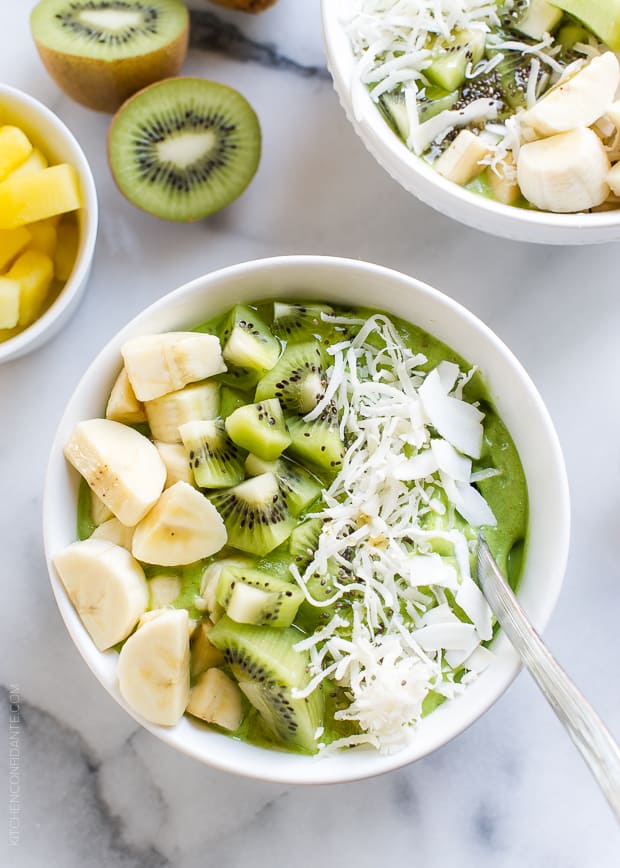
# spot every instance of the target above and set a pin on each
(48, 133)
(347, 282)
(419, 178)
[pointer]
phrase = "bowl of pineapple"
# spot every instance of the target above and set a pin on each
(48, 223)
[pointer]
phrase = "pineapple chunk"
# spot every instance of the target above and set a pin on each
(34, 272)
(9, 302)
(461, 161)
(38, 196)
(12, 242)
(14, 149)
(66, 249)
(44, 237)
(504, 185)
(35, 163)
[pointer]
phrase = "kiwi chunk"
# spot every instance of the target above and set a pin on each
(215, 460)
(248, 344)
(317, 443)
(295, 322)
(100, 52)
(452, 56)
(298, 485)
(303, 541)
(253, 597)
(259, 428)
(297, 379)
(255, 514)
(184, 148)
(268, 668)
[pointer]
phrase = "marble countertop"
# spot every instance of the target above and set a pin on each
(96, 790)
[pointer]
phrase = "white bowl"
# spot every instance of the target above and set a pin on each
(419, 178)
(55, 140)
(348, 282)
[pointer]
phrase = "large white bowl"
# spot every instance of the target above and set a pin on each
(347, 282)
(419, 178)
(47, 132)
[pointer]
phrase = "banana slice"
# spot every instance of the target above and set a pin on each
(153, 667)
(123, 406)
(577, 101)
(121, 466)
(460, 162)
(115, 532)
(203, 654)
(182, 527)
(174, 457)
(564, 173)
(98, 510)
(613, 179)
(158, 364)
(164, 590)
(166, 414)
(216, 699)
(107, 587)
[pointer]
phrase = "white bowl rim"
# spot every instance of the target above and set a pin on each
(386, 147)
(316, 770)
(18, 345)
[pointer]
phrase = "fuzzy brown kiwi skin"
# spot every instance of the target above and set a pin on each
(246, 5)
(105, 85)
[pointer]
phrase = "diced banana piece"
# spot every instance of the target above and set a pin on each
(164, 590)
(460, 162)
(174, 457)
(216, 699)
(503, 181)
(182, 527)
(107, 587)
(121, 466)
(564, 173)
(204, 655)
(153, 667)
(576, 101)
(158, 364)
(123, 406)
(98, 510)
(613, 179)
(113, 531)
(167, 413)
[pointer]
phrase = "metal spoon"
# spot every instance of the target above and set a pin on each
(584, 726)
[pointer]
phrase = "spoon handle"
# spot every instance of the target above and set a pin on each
(585, 727)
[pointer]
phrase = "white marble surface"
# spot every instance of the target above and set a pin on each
(95, 790)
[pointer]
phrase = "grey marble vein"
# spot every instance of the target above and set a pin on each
(211, 33)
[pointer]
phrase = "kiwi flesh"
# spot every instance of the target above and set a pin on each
(231, 399)
(259, 428)
(297, 379)
(215, 461)
(296, 321)
(298, 485)
(303, 541)
(253, 597)
(268, 667)
(248, 344)
(317, 443)
(255, 514)
(100, 52)
(184, 148)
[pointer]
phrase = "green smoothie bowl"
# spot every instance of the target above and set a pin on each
(262, 509)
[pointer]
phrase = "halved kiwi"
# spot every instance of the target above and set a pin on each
(184, 148)
(99, 52)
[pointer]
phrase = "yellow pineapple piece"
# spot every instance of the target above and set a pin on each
(44, 237)
(34, 272)
(9, 302)
(66, 249)
(34, 197)
(12, 242)
(35, 163)
(14, 149)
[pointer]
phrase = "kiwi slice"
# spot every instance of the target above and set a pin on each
(298, 485)
(259, 428)
(268, 668)
(184, 148)
(296, 321)
(215, 460)
(99, 52)
(253, 597)
(303, 541)
(255, 514)
(297, 379)
(248, 345)
(317, 443)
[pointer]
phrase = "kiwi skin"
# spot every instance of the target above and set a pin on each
(246, 5)
(105, 85)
